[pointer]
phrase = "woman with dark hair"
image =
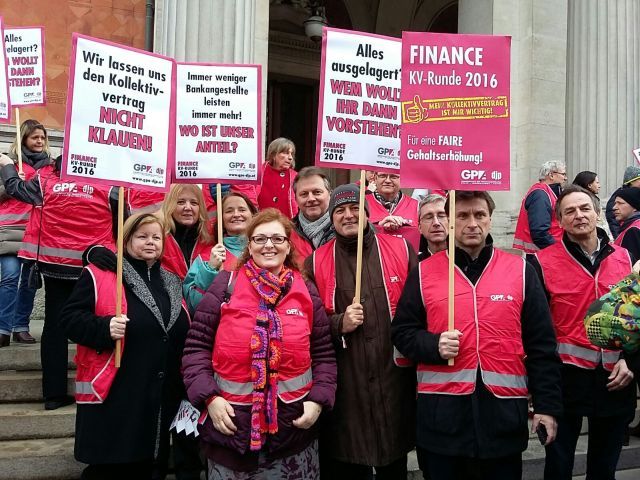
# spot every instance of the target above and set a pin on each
(589, 181)
(259, 360)
(16, 296)
(123, 416)
(237, 212)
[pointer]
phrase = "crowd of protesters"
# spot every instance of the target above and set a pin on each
(295, 371)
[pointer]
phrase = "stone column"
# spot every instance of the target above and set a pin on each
(215, 31)
(603, 88)
(538, 30)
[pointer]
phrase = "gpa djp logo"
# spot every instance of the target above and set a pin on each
(473, 175)
(385, 152)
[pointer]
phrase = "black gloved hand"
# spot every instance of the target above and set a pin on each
(101, 257)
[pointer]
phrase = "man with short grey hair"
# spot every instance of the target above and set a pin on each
(537, 225)
(433, 225)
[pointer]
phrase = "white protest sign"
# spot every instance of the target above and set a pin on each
(5, 99)
(359, 110)
(24, 47)
(218, 133)
(636, 152)
(186, 419)
(119, 121)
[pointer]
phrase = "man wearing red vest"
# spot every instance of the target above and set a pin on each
(312, 225)
(372, 423)
(537, 226)
(392, 211)
(596, 383)
(626, 210)
(472, 415)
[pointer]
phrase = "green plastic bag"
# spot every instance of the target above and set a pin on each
(613, 321)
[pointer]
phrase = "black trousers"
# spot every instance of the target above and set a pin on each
(54, 348)
(445, 467)
(606, 435)
(331, 469)
(119, 471)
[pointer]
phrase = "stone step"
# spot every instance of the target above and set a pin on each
(18, 356)
(41, 459)
(27, 421)
(20, 387)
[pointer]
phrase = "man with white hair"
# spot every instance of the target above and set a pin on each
(537, 225)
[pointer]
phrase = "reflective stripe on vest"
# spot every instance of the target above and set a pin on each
(461, 376)
(53, 251)
(240, 393)
(526, 246)
(14, 217)
(582, 357)
(84, 388)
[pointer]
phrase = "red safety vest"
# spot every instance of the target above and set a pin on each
(522, 237)
(140, 201)
(231, 357)
(277, 191)
(303, 248)
(572, 289)
(394, 260)
(406, 208)
(488, 315)
(634, 224)
(13, 212)
(173, 259)
(73, 216)
(96, 370)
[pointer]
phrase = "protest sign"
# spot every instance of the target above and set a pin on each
(119, 120)
(218, 117)
(5, 98)
(455, 111)
(24, 47)
(358, 113)
(636, 152)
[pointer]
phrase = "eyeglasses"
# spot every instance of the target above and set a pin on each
(564, 174)
(390, 176)
(430, 217)
(263, 239)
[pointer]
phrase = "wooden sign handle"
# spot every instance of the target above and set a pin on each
(119, 268)
(361, 220)
(452, 262)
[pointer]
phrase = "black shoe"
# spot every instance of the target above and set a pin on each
(5, 340)
(56, 402)
(23, 337)
(635, 431)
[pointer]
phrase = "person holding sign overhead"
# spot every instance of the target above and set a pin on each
(277, 178)
(55, 240)
(16, 296)
(237, 212)
(392, 211)
(472, 415)
(373, 423)
(259, 361)
(123, 415)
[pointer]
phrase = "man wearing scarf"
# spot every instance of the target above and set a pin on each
(312, 223)
(373, 421)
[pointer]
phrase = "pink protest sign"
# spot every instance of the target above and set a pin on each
(24, 47)
(120, 119)
(455, 111)
(359, 110)
(219, 129)
(5, 100)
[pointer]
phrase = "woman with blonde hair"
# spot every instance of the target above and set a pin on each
(16, 296)
(277, 178)
(187, 228)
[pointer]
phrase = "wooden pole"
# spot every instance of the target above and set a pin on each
(119, 268)
(452, 261)
(361, 220)
(219, 216)
(18, 141)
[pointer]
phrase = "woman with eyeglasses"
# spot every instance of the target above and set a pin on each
(259, 360)
(237, 212)
(16, 296)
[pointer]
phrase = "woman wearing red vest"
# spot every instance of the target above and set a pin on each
(259, 360)
(16, 297)
(187, 228)
(277, 178)
(55, 240)
(237, 212)
(123, 416)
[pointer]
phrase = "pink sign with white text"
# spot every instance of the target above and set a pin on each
(455, 111)
(24, 47)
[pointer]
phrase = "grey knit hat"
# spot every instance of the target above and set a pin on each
(349, 193)
(630, 174)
